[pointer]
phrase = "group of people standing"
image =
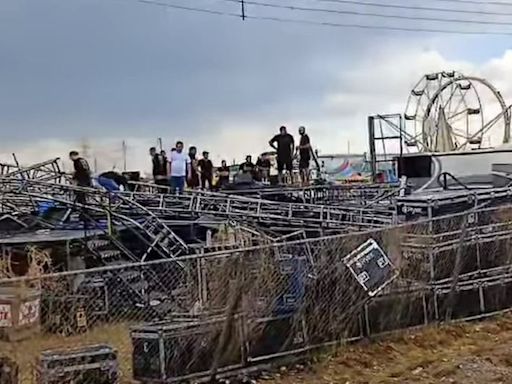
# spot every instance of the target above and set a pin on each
(180, 169)
(284, 144)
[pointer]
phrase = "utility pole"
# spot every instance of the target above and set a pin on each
(242, 4)
(124, 155)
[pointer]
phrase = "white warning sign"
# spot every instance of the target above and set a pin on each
(5, 315)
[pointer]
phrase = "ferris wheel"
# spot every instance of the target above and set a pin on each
(448, 111)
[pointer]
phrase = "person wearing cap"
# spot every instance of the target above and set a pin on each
(205, 167)
(304, 149)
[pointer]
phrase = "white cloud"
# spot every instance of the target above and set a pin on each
(377, 83)
(382, 84)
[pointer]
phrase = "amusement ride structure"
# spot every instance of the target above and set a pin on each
(449, 111)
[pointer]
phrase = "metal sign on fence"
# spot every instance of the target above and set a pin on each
(371, 267)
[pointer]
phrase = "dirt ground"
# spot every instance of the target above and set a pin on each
(26, 352)
(476, 353)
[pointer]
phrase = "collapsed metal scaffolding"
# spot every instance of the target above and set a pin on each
(279, 297)
(173, 288)
(49, 171)
(25, 197)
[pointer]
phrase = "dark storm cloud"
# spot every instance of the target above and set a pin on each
(77, 67)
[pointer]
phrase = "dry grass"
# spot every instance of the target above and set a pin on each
(475, 353)
(26, 352)
(467, 353)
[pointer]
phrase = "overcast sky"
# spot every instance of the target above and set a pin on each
(108, 70)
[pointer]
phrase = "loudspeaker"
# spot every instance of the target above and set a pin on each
(171, 350)
(273, 335)
(461, 303)
(91, 364)
(399, 311)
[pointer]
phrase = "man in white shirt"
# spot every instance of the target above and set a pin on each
(179, 168)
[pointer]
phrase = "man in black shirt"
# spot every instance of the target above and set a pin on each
(248, 167)
(112, 181)
(263, 167)
(166, 160)
(223, 172)
(304, 149)
(159, 167)
(285, 146)
(206, 168)
(82, 174)
(193, 180)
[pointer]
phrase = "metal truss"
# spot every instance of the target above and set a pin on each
(338, 194)
(266, 212)
(155, 209)
(115, 210)
(48, 171)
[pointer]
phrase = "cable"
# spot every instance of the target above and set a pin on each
(378, 27)
(185, 8)
(416, 8)
(370, 14)
(477, 2)
(320, 23)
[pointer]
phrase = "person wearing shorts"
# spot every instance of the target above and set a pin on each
(284, 145)
(304, 150)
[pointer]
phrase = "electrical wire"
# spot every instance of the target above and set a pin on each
(186, 8)
(477, 2)
(319, 23)
(378, 27)
(370, 14)
(416, 8)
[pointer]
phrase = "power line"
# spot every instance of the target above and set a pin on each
(416, 8)
(370, 14)
(477, 2)
(185, 8)
(319, 23)
(378, 27)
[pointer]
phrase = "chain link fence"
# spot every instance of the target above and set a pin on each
(236, 306)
